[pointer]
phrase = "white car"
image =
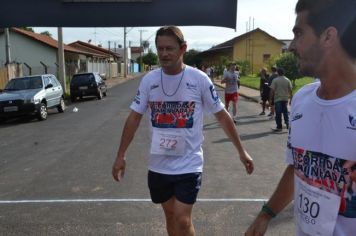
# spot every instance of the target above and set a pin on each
(31, 95)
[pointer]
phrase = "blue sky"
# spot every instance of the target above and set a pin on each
(276, 17)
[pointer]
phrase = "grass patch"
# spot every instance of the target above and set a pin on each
(254, 82)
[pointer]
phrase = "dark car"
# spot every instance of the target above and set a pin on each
(31, 95)
(87, 84)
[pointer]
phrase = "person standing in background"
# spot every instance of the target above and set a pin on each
(271, 99)
(264, 90)
(281, 92)
(231, 79)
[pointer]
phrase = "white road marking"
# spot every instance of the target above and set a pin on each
(125, 200)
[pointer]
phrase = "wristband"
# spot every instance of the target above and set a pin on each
(268, 211)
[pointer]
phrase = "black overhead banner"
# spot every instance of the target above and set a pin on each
(117, 13)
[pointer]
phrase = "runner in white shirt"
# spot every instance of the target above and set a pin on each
(321, 153)
(175, 97)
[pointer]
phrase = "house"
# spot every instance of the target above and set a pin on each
(256, 47)
(37, 53)
(104, 61)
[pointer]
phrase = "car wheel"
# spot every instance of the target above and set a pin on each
(104, 93)
(100, 94)
(42, 113)
(62, 106)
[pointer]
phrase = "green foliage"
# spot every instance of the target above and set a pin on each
(288, 62)
(27, 29)
(149, 59)
(254, 82)
(46, 33)
(223, 62)
(192, 58)
(244, 67)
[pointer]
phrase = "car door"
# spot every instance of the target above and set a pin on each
(58, 92)
(50, 91)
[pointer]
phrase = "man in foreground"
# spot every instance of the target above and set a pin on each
(176, 96)
(321, 150)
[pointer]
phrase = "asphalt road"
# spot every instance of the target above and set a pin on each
(55, 176)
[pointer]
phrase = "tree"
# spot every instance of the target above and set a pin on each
(27, 29)
(150, 58)
(192, 58)
(145, 44)
(288, 62)
(46, 33)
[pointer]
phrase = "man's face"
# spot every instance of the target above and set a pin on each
(306, 46)
(170, 53)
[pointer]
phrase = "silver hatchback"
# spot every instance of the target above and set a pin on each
(31, 95)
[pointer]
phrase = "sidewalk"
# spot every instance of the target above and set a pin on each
(246, 92)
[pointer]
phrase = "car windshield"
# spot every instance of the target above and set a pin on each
(24, 83)
(83, 79)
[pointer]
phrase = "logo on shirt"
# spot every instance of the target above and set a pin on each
(172, 114)
(191, 86)
(137, 98)
(154, 86)
(352, 121)
(213, 93)
(297, 116)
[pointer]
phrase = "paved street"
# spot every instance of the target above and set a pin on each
(55, 176)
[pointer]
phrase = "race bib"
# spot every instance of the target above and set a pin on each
(168, 144)
(316, 210)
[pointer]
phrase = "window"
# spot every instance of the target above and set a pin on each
(266, 57)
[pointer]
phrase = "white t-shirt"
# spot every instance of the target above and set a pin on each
(231, 79)
(176, 104)
(322, 148)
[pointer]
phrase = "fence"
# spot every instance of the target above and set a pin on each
(9, 72)
(3, 77)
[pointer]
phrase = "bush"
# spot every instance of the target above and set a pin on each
(288, 62)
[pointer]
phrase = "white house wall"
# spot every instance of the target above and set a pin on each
(31, 52)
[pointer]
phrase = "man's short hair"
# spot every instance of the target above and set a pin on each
(340, 14)
(173, 31)
(280, 71)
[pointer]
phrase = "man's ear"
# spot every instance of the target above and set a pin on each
(329, 36)
(183, 47)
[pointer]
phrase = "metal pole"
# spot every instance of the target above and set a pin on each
(125, 55)
(141, 66)
(109, 61)
(7, 42)
(61, 68)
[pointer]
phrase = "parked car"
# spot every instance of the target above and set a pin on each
(31, 95)
(87, 84)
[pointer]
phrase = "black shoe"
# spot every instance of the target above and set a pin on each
(277, 129)
(262, 113)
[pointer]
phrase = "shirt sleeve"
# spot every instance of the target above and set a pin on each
(210, 97)
(140, 102)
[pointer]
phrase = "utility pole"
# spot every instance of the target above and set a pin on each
(125, 54)
(7, 42)
(141, 50)
(109, 62)
(61, 68)
(8, 54)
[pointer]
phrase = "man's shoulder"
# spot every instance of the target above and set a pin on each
(306, 90)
